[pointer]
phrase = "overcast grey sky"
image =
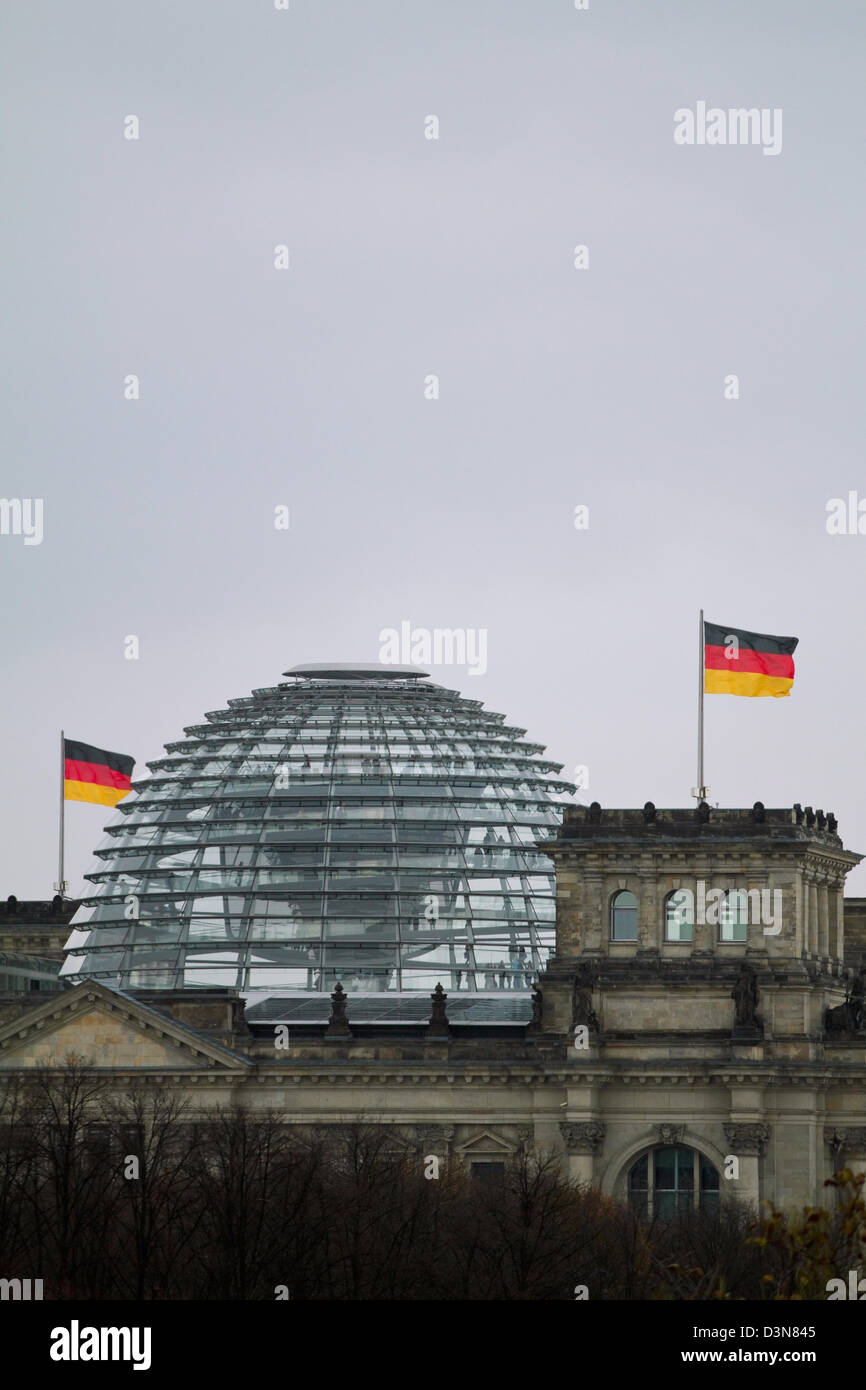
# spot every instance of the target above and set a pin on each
(408, 257)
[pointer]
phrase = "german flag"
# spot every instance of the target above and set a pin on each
(737, 662)
(91, 774)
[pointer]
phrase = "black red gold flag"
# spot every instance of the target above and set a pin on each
(92, 774)
(737, 662)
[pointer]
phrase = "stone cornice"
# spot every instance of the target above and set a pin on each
(687, 1075)
(363, 1077)
(759, 827)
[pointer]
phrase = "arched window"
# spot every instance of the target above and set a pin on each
(680, 915)
(623, 917)
(667, 1181)
(734, 916)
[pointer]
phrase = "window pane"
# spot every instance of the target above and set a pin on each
(734, 917)
(488, 1172)
(664, 1205)
(709, 1176)
(679, 916)
(685, 1170)
(638, 1178)
(666, 1169)
(624, 917)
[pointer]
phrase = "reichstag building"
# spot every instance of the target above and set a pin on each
(358, 896)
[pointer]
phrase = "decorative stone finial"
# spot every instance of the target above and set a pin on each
(438, 1026)
(338, 1023)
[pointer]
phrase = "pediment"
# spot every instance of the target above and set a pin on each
(485, 1143)
(102, 1028)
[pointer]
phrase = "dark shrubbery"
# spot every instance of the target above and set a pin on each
(240, 1204)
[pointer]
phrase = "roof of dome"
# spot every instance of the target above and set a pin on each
(356, 671)
(338, 826)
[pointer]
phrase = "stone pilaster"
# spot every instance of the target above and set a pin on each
(434, 1139)
(583, 1140)
(846, 1143)
(748, 1144)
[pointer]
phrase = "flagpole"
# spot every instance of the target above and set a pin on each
(700, 791)
(60, 885)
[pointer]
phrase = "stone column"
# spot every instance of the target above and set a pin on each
(747, 1143)
(812, 940)
(837, 923)
(650, 927)
(583, 1139)
(704, 936)
(823, 921)
(594, 925)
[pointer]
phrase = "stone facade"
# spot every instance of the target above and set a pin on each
(727, 1046)
(32, 940)
(36, 928)
(741, 1042)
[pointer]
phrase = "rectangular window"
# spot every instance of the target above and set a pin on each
(488, 1172)
(734, 917)
(680, 916)
(623, 917)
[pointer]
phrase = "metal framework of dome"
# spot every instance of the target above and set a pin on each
(354, 823)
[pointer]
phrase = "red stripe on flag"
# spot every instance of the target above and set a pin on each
(764, 663)
(95, 772)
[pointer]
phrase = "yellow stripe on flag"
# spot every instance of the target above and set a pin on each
(745, 683)
(92, 791)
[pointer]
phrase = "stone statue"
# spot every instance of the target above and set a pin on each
(745, 997)
(849, 1017)
(581, 998)
(537, 1001)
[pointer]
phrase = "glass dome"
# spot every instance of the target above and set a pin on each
(353, 823)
